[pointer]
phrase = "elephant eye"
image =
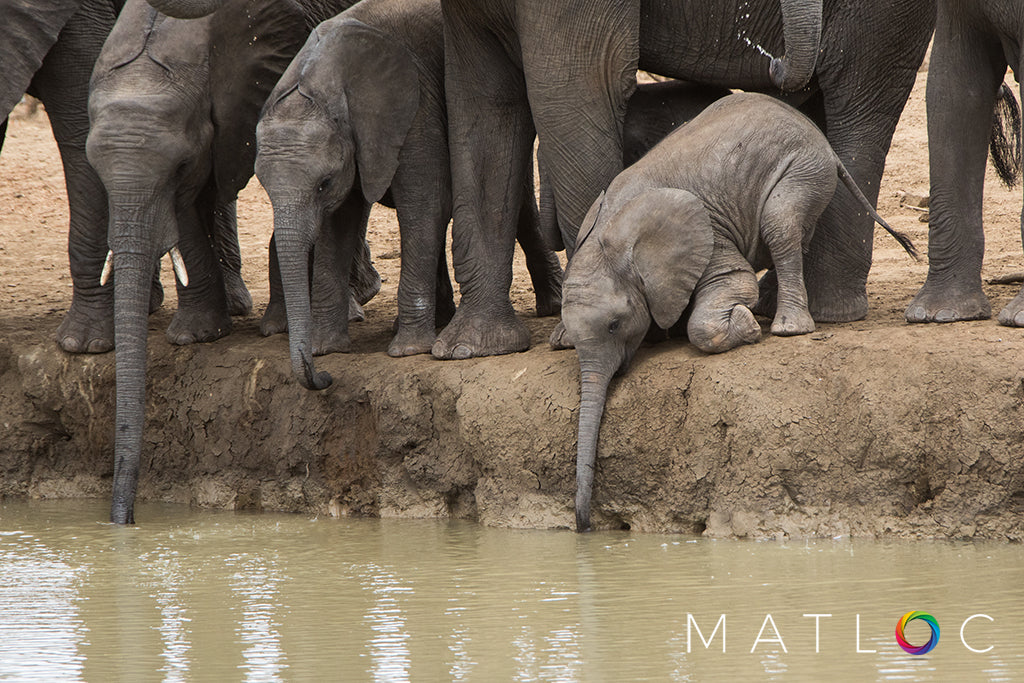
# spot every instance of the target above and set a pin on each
(613, 326)
(324, 184)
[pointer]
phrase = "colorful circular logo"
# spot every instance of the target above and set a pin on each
(917, 649)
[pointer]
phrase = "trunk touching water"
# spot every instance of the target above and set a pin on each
(133, 277)
(293, 250)
(801, 25)
(594, 382)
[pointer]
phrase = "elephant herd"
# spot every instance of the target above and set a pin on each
(164, 109)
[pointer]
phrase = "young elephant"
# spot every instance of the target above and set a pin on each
(738, 188)
(361, 112)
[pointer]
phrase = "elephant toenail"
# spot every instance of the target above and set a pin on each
(462, 352)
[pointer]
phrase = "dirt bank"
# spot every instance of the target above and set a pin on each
(868, 428)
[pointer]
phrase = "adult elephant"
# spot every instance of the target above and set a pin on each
(566, 69)
(975, 40)
(48, 48)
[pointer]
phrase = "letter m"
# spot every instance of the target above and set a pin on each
(691, 625)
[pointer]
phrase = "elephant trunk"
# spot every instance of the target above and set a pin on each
(291, 227)
(594, 380)
(186, 9)
(801, 25)
(133, 277)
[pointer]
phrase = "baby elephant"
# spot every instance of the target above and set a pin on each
(738, 188)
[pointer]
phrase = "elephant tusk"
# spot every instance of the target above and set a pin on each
(179, 266)
(108, 268)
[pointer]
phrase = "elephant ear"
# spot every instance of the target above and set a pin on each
(590, 220)
(380, 82)
(668, 232)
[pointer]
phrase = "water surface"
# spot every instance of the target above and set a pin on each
(199, 595)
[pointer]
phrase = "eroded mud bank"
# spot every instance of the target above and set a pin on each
(918, 432)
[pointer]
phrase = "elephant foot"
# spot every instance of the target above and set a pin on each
(356, 314)
(410, 341)
(946, 304)
(191, 326)
(471, 335)
(790, 322)
(1013, 314)
(547, 289)
(838, 306)
(88, 326)
(156, 296)
(333, 340)
(274, 320)
(560, 338)
(549, 298)
(238, 297)
(712, 336)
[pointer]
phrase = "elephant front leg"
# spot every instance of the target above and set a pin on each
(225, 239)
(963, 78)
(332, 296)
(202, 314)
(490, 136)
(721, 318)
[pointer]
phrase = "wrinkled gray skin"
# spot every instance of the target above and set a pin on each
(326, 154)
(974, 42)
(173, 152)
(150, 144)
(737, 189)
(48, 48)
(653, 111)
(565, 71)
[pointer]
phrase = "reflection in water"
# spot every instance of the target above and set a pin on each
(216, 596)
(40, 630)
(255, 580)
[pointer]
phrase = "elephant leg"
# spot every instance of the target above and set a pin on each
(62, 83)
(541, 261)
(490, 141)
(444, 294)
(864, 91)
(274, 320)
(788, 216)
(966, 69)
(225, 239)
(579, 59)
(720, 318)
(423, 213)
(202, 314)
(332, 264)
(1012, 314)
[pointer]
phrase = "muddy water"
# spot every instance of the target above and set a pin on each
(221, 596)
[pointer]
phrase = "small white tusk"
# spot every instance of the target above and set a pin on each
(108, 268)
(179, 266)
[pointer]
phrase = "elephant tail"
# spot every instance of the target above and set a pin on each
(1004, 143)
(851, 185)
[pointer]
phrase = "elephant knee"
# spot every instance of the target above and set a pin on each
(723, 330)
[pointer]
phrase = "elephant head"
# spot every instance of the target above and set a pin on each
(801, 25)
(186, 9)
(328, 123)
(639, 262)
